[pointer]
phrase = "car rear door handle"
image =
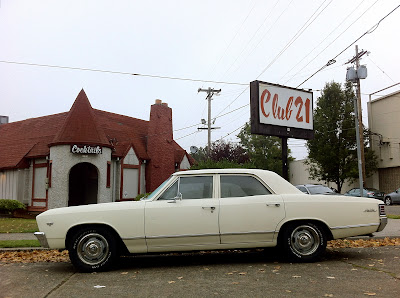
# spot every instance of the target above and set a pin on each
(274, 205)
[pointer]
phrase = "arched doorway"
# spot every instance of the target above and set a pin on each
(83, 184)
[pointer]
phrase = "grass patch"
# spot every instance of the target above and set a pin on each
(19, 243)
(393, 216)
(18, 225)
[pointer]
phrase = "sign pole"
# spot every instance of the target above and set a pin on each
(285, 168)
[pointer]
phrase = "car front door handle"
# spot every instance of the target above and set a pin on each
(274, 205)
(212, 208)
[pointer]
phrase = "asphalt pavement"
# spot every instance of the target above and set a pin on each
(347, 272)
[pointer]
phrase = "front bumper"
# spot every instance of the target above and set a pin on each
(383, 223)
(42, 239)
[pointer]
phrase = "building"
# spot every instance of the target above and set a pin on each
(384, 124)
(87, 156)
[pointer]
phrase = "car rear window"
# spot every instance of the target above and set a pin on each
(241, 186)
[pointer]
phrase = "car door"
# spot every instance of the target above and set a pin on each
(183, 217)
(396, 197)
(249, 211)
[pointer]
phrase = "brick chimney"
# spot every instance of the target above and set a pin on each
(3, 120)
(159, 145)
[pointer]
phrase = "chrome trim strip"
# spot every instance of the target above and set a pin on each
(208, 235)
(134, 238)
(41, 236)
(181, 236)
(247, 233)
(355, 226)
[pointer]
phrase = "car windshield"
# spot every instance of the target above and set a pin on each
(319, 189)
(150, 196)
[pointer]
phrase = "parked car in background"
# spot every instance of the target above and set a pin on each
(393, 197)
(315, 189)
(367, 192)
(208, 210)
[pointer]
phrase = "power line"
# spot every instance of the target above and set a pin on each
(297, 35)
(122, 73)
(326, 37)
(332, 61)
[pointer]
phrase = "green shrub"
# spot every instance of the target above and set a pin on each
(142, 195)
(10, 205)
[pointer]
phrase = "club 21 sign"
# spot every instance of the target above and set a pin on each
(281, 111)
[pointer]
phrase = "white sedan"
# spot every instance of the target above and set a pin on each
(206, 210)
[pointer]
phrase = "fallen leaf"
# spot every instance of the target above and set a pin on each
(99, 287)
(296, 276)
(180, 277)
(171, 282)
(124, 273)
(230, 273)
(288, 291)
(242, 273)
(235, 283)
(328, 295)
(370, 294)
(331, 277)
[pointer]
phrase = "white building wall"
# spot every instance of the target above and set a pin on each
(8, 184)
(63, 160)
(299, 174)
(185, 164)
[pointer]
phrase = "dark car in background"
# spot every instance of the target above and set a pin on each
(393, 197)
(367, 192)
(315, 189)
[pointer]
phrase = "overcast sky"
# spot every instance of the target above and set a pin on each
(233, 41)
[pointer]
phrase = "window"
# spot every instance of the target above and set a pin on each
(302, 188)
(170, 193)
(191, 188)
(241, 186)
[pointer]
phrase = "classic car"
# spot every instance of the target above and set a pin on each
(208, 210)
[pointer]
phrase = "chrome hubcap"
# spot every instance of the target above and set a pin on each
(92, 249)
(305, 240)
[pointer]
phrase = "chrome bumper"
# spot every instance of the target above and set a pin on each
(42, 239)
(383, 223)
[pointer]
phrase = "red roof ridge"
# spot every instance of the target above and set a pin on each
(80, 125)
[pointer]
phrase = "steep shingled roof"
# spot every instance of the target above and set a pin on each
(31, 138)
(81, 126)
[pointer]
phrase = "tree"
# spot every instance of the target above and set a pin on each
(332, 154)
(265, 152)
(222, 155)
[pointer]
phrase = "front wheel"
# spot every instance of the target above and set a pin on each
(388, 201)
(93, 249)
(304, 242)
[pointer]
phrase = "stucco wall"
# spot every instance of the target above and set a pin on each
(63, 160)
(299, 174)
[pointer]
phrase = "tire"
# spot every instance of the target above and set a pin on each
(304, 242)
(388, 201)
(93, 249)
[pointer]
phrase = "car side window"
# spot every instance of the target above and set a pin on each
(200, 187)
(303, 189)
(170, 193)
(241, 186)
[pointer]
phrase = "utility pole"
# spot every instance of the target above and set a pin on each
(360, 123)
(354, 76)
(210, 93)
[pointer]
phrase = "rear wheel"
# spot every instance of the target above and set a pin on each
(93, 249)
(304, 242)
(388, 201)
